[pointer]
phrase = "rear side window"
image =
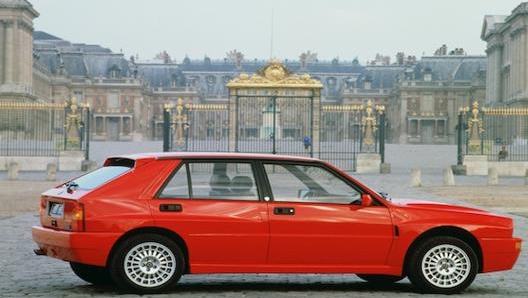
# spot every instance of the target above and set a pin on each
(102, 175)
(212, 180)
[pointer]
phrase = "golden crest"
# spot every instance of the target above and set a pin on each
(274, 75)
(275, 71)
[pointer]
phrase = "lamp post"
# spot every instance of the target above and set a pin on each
(273, 132)
(87, 132)
(166, 126)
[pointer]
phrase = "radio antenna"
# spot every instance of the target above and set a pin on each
(271, 39)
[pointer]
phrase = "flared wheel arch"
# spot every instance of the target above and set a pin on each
(455, 232)
(162, 232)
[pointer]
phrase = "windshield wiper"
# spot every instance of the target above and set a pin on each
(385, 196)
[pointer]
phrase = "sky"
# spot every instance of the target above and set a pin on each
(264, 29)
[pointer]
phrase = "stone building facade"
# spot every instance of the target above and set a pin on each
(507, 52)
(16, 57)
(427, 98)
(126, 95)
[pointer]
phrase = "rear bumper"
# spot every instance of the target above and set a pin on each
(81, 247)
(500, 254)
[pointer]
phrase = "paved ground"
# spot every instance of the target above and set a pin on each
(25, 275)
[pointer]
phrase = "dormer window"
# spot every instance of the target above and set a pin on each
(428, 74)
(367, 84)
(114, 72)
(428, 77)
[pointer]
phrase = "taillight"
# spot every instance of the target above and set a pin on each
(74, 216)
(43, 204)
(43, 209)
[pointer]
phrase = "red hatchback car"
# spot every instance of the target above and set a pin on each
(142, 221)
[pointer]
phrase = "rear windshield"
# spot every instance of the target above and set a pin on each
(98, 177)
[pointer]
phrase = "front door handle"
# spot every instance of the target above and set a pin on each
(283, 211)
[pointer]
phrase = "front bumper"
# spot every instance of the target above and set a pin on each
(500, 254)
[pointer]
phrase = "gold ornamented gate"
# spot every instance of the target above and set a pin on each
(275, 111)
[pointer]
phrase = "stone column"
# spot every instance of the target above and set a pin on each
(8, 54)
(404, 122)
(2, 51)
(419, 129)
(27, 59)
(524, 55)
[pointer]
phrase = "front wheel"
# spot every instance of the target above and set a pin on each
(147, 263)
(443, 265)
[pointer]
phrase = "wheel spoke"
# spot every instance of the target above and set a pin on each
(446, 266)
(150, 264)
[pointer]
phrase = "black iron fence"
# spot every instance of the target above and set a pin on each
(31, 129)
(499, 133)
(278, 125)
(347, 131)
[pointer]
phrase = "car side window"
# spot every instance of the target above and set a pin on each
(177, 187)
(213, 180)
(307, 183)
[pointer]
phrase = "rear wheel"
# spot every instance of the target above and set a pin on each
(93, 274)
(147, 263)
(443, 264)
(380, 279)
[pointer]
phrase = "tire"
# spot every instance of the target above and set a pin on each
(95, 275)
(380, 279)
(147, 263)
(442, 265)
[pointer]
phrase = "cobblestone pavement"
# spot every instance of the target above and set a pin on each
(23, 274)
(26, 275)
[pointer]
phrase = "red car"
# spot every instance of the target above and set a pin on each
(142, 221)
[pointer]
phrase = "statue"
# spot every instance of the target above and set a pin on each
(237, 57)
(73, 124)
(180, 122)
(474, 130)
(369, 125)
(307, 58)
(475, 124)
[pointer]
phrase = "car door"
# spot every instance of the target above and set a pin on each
(214, 206)
(316, 221)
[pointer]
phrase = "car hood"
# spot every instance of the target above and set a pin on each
(429, 205)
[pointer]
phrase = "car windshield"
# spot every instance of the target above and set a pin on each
(98, 177)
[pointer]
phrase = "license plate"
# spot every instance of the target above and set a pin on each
(56, 209)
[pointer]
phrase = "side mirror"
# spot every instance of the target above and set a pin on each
(366, 200)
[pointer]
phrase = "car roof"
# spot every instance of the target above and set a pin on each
(213, 155)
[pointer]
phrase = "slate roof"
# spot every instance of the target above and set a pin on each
(78, 59)
(451, 67)
(383, 77)
(83, 60)
(157, 74)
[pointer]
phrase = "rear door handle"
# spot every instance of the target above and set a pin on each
(283, 211)
(170, 208)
